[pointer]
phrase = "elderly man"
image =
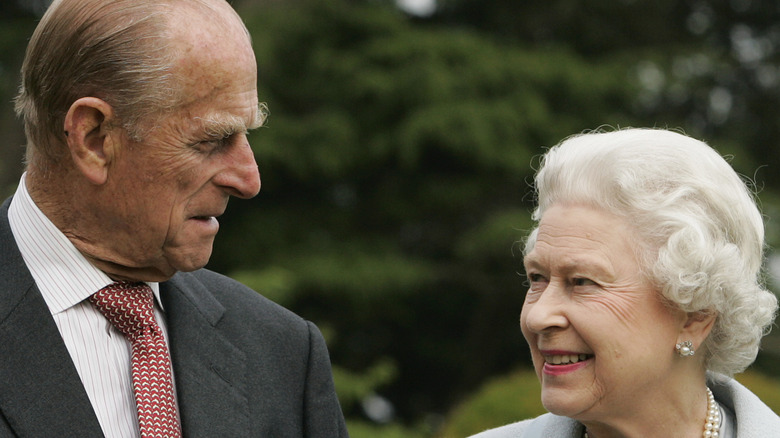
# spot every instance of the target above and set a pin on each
(136, 113)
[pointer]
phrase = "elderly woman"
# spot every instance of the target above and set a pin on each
(644, 292)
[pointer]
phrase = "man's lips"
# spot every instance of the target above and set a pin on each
(207, 215)
(210, 222)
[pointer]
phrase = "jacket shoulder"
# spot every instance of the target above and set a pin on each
(543, 426)
(513, 430)
(235, 304)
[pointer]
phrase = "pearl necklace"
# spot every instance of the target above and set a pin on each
(711, 423)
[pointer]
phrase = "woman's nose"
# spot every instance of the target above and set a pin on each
(547, 311)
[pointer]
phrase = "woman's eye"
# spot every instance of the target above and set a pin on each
(536, 278)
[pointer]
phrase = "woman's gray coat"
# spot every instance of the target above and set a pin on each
(754, 419)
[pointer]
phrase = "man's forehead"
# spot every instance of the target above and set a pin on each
(199, 25)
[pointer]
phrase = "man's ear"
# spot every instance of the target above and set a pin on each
(697, 327)
(90, 137)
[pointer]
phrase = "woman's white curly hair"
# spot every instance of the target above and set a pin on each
(700, 233)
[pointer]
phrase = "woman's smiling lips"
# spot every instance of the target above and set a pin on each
(558, 362)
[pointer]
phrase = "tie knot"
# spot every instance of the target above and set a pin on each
(128, 306)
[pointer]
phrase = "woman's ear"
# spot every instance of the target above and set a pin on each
(91, 140)
(697, 327)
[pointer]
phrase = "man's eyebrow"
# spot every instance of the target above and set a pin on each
(227, 125)
(261, 114)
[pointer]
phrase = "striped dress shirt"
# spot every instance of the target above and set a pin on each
(101, 354)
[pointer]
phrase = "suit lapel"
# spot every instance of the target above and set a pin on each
(40, 390)
(209, 370)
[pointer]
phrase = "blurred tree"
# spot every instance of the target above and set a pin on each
(15, 28)
(590, 27)
(501, 400)
(13, 9)
(711, 65)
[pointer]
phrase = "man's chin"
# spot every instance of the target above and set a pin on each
(190, 261)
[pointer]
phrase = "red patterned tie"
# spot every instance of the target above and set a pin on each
(130, 308)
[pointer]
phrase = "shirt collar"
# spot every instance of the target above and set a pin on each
(63, 275)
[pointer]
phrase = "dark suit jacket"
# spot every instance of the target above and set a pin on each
(244, 366)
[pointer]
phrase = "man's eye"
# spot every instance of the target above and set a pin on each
(212, 144)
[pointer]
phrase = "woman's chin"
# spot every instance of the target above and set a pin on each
(563, 403)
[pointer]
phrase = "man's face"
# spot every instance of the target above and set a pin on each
(170, 187)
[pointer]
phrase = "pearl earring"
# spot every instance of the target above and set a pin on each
(684, 348)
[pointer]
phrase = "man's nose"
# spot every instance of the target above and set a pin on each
(240, 177)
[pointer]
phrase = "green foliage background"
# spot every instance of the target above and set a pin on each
(397, 160)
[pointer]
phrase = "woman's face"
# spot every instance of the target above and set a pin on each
(600, 335)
